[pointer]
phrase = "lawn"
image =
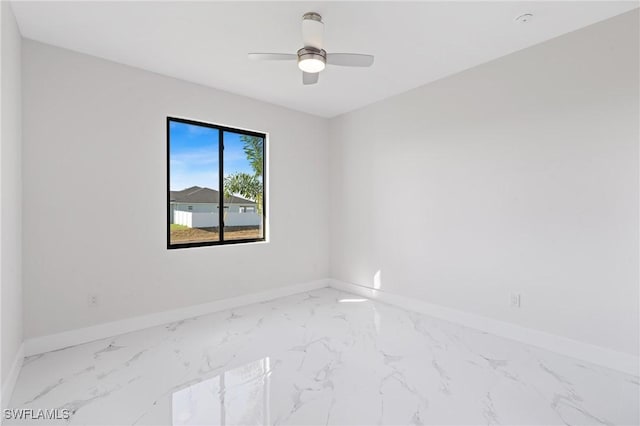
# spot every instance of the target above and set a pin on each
(176, 227)
(181, 234)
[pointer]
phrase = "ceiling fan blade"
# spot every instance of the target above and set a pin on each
(312, 30)
(310, 78)
(273, 56)
(350, 59)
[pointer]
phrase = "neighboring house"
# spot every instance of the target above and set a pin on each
(198, 207)
(198, 199)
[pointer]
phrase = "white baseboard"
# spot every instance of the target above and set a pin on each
(10, 382)
(609, 358)
(38, 345)
(583, 351)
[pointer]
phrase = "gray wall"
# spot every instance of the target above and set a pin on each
(519, 175)
(95, 130)
(10, 193)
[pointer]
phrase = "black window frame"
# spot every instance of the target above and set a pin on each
(221, 130)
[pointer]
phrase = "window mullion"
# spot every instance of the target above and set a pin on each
(221, 184)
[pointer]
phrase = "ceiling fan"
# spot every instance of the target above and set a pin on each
(312, 58)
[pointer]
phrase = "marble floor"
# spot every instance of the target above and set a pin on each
(322, 357)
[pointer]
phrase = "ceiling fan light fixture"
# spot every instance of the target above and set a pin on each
(311, 65)
(311, 60)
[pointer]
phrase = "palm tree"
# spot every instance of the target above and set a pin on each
(244, 184)
(254, 150)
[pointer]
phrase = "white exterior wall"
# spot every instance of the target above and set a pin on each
(210, 219)
(197, 207)
(242, 219)
(184, 218)
(207, 207)
(203, 220)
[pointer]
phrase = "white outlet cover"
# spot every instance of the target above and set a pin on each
(93, 300)
(514, 300)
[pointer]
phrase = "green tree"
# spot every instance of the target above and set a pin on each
(254, 150)
(244, 184)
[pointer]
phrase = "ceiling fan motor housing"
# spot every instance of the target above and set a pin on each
(312, 53)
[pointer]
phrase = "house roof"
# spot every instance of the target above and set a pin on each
(197, 194)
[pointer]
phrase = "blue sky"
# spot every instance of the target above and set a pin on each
(194, 156)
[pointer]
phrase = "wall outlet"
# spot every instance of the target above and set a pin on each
(514, 300)
(93, 300)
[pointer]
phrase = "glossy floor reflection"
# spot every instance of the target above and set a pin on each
(323, 357)
(236, 396)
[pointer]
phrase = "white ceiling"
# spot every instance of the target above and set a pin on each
(207, 42)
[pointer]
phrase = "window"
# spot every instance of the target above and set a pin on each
(210, 166)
